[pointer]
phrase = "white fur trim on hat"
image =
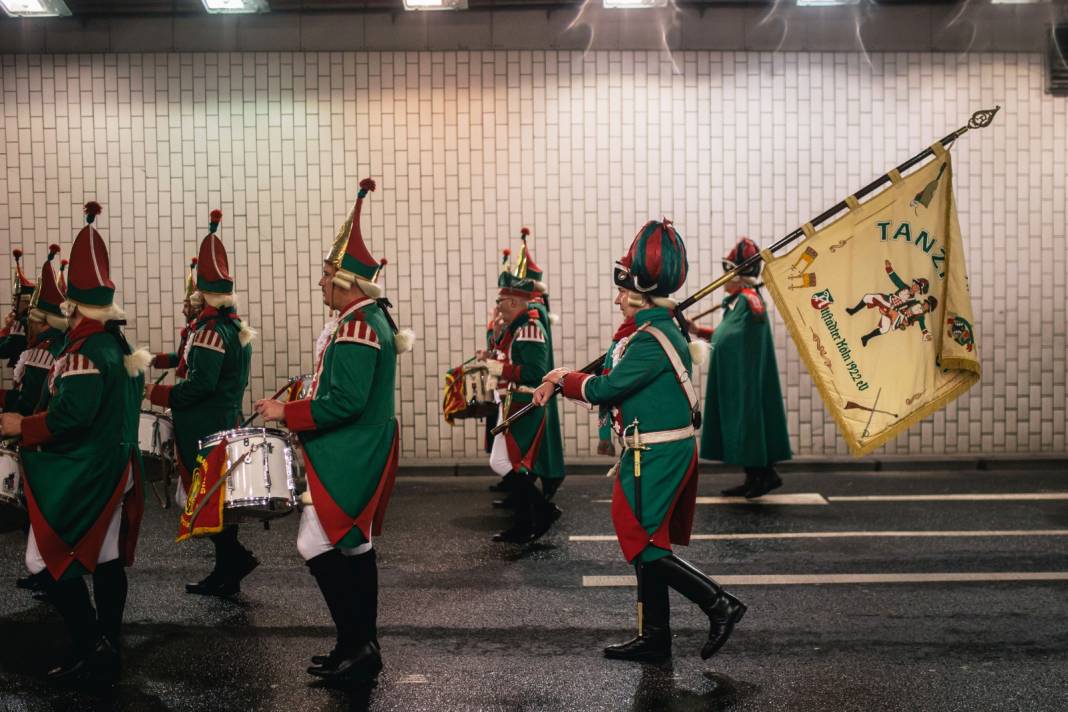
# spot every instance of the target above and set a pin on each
(219, 301)
(58, 323)
(404, 340)
(108, 313)
(667, 302)
(699, 350)
(541, 287)
(137, 362)
(554, 318)
(196, 299)
(371, 289)
(37, 315)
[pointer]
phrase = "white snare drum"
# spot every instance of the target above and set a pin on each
(155, 438)
(479, 385)
(263, 485)
(12, 508)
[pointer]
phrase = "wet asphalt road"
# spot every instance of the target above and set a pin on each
(471, 625)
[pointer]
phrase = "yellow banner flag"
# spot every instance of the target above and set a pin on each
(878, 305)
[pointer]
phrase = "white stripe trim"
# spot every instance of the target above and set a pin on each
(1013, 496)
(820, 579)
(800, 498)
(92, 255)
(846, 535)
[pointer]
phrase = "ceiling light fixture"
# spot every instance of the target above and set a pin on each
(35, 8)
(633, 4)
(235, 7)
(435, 4)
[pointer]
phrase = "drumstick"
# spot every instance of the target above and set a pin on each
(279, 392)
(161, 377)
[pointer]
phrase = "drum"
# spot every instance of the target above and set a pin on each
(263, 485)
(155, 436)
(478, 389)
(12, 507)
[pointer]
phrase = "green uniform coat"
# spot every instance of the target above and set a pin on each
(80, 453)
(348, 427)
(642, 386)
(745, 419)
(208, 401)
(534, 443)
(31, 373)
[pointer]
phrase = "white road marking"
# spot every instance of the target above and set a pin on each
(1007, 497)
(846, 535)
(778, 499)
(818, 579)
(414, 679)
(815, 498)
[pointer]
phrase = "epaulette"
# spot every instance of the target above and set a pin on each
(530, 332)
(756, 304)
(357, 331)
(208, 338)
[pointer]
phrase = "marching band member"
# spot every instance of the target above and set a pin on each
(745, 418)
(82, 466)
(13, 334)
(532, 448)
(653, 400)
(45, 329)
(192, 305)
(350, 437)
(217, 361)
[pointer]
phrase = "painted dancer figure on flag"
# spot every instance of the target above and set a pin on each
(350, 436)
(655, 490)
(83, 466)
(897, 310)
(213, 372)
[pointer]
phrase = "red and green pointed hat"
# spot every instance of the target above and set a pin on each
(50, 292)
(349, 253)
(20, 284)
(90, 282)
(213, 266)
(525, 279)
(656, 262)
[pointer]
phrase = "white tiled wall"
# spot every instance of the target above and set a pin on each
(467, 147)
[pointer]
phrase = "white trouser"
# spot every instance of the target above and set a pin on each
(499, 461)
(109, 550)
(312, 541)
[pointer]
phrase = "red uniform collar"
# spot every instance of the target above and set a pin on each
(628, 327)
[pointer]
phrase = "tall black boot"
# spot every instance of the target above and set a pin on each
(355, 659)
(857, 307)
(233, 562)
(868, 337)
(71, 599)
(365, 571)
(543, 513)
(653, 643)
(520, 531)
(109, 592)
(740, 490)
(765, 480)
(723, 610)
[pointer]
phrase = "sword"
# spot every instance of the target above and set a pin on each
(637, 447)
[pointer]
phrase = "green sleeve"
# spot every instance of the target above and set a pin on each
(897, 280)
(533, 359)
(641, 363)
(923, 323)
(29, 394)
(204, 365)
(352, 371)
(12, 345)
(74, 406)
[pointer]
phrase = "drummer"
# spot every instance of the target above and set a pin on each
(348, 428)
(208, 401)
(13, 333)
(82, 467)
(192, 305)
(45, 327)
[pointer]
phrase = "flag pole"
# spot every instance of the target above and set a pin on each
(980, 119)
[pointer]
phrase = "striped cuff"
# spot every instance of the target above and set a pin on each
(298, 415)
